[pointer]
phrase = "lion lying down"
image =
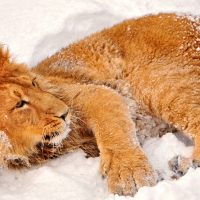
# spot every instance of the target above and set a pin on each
(98, 93)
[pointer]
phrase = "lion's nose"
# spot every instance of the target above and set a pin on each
(64, 116)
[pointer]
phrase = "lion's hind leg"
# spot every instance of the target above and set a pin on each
(187, 120)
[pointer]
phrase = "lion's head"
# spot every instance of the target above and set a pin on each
(28, 116)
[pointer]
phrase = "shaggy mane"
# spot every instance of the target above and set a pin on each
(4, 55)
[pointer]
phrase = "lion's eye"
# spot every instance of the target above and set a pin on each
(20, 104)
(34, 84)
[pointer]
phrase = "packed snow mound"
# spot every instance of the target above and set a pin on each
(73, 176)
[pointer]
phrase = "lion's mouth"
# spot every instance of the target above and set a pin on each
(55, 131)
(57, 137)
(50, 137)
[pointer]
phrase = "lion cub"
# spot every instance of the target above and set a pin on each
(153, 61)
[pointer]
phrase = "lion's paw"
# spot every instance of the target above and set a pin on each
(128, 181)
(126, 174)
(180, 165)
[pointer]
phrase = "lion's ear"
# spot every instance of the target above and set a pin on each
(4, 56)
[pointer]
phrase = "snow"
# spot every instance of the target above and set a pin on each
(35, 29)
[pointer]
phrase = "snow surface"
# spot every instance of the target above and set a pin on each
(35, 29)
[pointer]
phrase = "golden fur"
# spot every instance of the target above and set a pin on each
(28, 115)
(153, 61)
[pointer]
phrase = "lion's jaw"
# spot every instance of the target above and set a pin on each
(30, 116)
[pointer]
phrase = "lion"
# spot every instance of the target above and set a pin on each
(97, 93)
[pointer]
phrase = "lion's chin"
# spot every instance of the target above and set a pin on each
(57, 137)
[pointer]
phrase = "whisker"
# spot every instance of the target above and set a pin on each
(78, 119)
(71, 103)
(53, 146)
(75, 125)
(43, 142)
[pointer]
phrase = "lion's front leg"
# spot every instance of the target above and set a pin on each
(122, 160)
(127, 170)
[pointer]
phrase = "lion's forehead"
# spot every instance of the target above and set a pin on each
(20, 80)
(11, 93)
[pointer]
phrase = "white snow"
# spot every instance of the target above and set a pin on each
(35, 29)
